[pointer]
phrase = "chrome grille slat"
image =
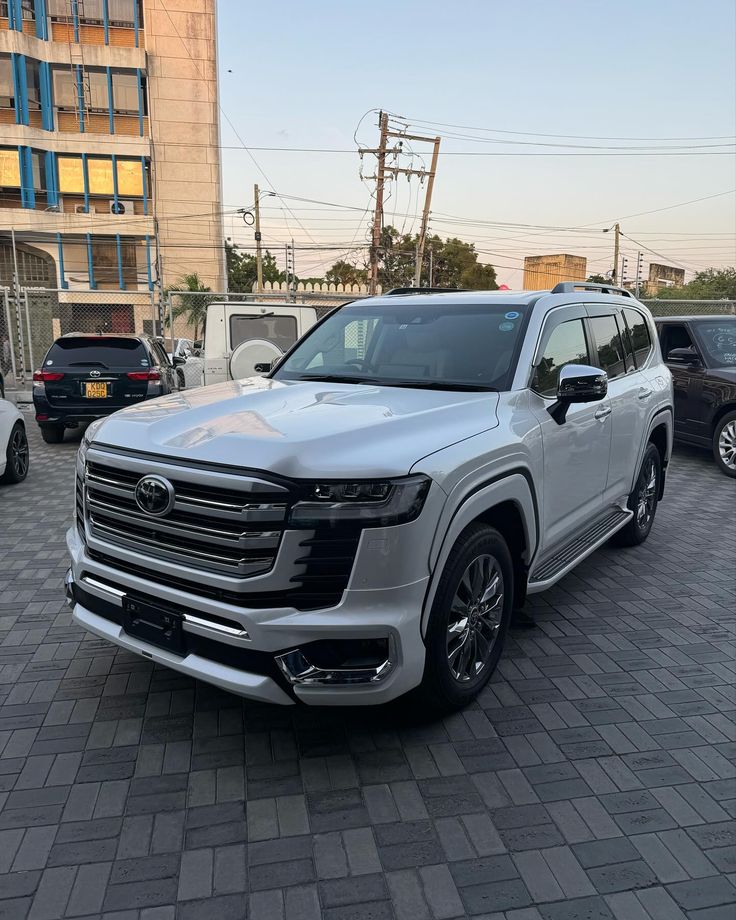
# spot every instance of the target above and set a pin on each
(219, 563)
(209, 527)
(245, 540)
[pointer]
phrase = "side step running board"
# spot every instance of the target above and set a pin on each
(552, 568)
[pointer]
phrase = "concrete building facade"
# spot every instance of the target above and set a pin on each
(109, 147)
(661, 276)
(547, 271)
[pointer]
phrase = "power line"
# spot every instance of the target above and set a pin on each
(566, 136)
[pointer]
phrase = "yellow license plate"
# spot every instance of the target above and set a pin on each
(95, 390)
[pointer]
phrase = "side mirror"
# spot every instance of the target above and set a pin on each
(197, 344)
(264, 367)
(683, 356)
(578, 383)
(177, 360)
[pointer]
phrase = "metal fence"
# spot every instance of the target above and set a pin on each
(691, 307)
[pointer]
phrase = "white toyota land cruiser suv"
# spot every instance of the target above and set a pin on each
(363, 521)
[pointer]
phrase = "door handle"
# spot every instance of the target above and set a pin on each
(644, 393)
(603, 412)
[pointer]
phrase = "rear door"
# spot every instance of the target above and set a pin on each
(627, 388)
(92, 373)
(258, 338)
(687, 381)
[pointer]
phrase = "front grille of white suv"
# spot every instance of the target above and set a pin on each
(220, 522)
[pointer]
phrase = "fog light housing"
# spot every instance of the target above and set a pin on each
(339, 661)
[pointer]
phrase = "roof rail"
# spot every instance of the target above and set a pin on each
(569, 287)
(426, 290)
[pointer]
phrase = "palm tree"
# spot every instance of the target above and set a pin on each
(193, 308)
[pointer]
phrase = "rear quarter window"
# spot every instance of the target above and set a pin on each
(108, 352)
(639, 332)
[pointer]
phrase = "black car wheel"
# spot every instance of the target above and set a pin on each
(469, 619)
(16, 455)
(724, 444)
(643, 500)
(52, 434)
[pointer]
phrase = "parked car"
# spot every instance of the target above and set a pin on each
(362, 522)
(190, 372)
(85, 377)
(700, 352)
(14, 455)
(242, 338)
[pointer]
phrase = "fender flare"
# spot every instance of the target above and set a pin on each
(514, 486)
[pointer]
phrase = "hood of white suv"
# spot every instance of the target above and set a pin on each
(302, 430)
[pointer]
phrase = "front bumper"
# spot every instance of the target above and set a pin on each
(264, 654)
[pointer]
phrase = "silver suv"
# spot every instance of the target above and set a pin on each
(363, 521)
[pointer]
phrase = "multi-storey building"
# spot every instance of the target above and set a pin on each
(109, 156)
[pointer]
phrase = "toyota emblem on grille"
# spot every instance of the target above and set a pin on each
(155, 495)
(94, 373)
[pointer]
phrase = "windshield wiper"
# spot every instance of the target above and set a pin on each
(258, 315)
(440, 385)
(336, 378)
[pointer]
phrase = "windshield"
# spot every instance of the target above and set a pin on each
(97, 350)
(437, 344)
(718, 340)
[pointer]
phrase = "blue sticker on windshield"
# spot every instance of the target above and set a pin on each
(506, 327)
(512, 315)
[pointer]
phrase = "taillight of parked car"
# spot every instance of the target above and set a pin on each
(144, 375)
(46, 376)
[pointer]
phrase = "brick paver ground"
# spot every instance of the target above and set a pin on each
(594, 779)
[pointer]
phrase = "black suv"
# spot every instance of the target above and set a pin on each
(700, 351)
(84, 377)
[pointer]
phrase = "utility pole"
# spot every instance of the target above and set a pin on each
(378, 215)
(425, 213)
(259, 254)
(431, 266)
(616, 248)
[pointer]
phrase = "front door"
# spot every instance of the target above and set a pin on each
(687, 381)
(575, 453)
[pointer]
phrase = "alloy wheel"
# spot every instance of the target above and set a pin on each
(727, 445)
(19, 452)
(647, 496)
(475, 618)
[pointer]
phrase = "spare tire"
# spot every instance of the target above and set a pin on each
(255, 351)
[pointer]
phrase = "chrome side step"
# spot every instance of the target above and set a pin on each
(552, 568)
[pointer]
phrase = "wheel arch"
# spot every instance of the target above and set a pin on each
(725, 409)
(509, 504)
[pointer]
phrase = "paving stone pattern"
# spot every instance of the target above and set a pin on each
(594, 779)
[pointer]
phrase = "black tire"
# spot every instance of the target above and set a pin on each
(52, 434)
(16, 455)
(442, 689)
(643, 500)
(724, 444)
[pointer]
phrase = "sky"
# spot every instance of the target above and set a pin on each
(308, 74)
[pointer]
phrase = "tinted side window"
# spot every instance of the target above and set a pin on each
(639, 332)
(609, 347)
(566, 345)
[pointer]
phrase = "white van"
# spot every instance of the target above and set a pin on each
(240, 335)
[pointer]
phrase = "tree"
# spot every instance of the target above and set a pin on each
(242, 271)
(710, 284)
(343, 272)
(598, 279)
(193, 308)
(454, 263)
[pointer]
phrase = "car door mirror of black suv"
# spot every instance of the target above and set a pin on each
(578, 383)
(685, 356)
(178, 360)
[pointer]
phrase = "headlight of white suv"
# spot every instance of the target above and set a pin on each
(84, 446)
(370, 503)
